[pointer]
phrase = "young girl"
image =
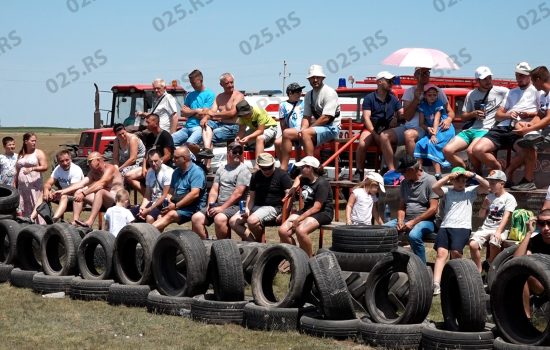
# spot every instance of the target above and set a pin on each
(432, 113)
(361, 206)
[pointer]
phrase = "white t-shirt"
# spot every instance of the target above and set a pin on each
(408, 95)
(7, 169)
(361, 213)
(165, 109)
(118, 217)
(458, 207)
(65, 178)
(519, 100)
(496, 97)
(156, 183)
(497, 207)
(325, 102)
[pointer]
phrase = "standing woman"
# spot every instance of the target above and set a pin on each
(318, 208)
(128, 150)
(31, 162)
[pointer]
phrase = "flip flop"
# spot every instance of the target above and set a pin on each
(81, 223)
(284, 266)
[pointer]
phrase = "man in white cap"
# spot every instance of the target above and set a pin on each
(514, 118)
(479, 109)
(379, 109)
(322, 103)
(411, 131)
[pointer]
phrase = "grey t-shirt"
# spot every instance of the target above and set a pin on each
(497, 207)
(458, 207)
(325, 101)
(492, 103)
(417, 195)
(229, 177)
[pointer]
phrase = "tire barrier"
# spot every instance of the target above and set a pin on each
(9, 200)
(364, 239)
(28, 247)
(58, 250)
(9, 230)
(95, 255)
(44, 284)
(129, 295)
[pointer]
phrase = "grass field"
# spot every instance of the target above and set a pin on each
(29, 321)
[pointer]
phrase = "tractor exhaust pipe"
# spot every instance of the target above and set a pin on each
(97, 113)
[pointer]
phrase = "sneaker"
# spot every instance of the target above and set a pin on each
(358, 176)
(532, 140)
(205, 153)
(437, 289)
(524, 185)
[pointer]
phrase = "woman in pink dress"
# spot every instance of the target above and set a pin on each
(31, 162)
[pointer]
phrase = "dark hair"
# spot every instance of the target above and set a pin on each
(7, 139)
(117, 127)
(63, 152)
(540, 72)
(152, 152)
(154, 115)
(195, 73)
(26, 137)
(544, 212)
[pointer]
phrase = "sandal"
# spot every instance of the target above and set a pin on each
(284, 266)
(82, 224)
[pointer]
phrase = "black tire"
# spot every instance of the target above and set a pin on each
(357, 285)
(129, 295)
(390, 336)
(95, 255)
(9, 229)
(5, 271)
(336, 303)
(7, 216)
(250, 252)
(434, 337)
(168, 305)
(266, 269)
(462, 297)
(59, 248)
(9, 199)
(358, 262)
(180, 264)
(21, 278)
(315, 325)
(500, 344)
(499, 260)
(507, 298)
(205, 309)
(390, 303)
(28, 247)
(364, 239)
(44, 284)
(90, 289)
(225, 271)
(128, 268)
(273, 319)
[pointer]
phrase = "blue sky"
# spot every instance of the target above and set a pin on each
(136, 41)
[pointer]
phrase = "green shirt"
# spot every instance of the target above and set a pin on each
(259, 117)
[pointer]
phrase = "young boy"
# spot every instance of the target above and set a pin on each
(118, 216)
(456, 227)
(497, 209)
(255, 127)
(7, 162)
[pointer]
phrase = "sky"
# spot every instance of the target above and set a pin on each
(52, 52)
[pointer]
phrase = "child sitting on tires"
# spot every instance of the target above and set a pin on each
(497, 209)
(118, 216)
(456, 226)
(361, 207)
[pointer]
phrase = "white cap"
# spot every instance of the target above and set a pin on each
(315, 70)
(371, 175)
(385, 75)
(483, 72)
(523, 68)
(309, 160)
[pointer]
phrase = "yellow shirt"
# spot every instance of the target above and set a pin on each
(258, 117)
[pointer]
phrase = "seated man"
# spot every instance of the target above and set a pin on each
(322, 103)
(379, 109)
(187, 191)
(255, 127)
(417, 206)
(228, 189)
(268, 187)
(98, 188)
(66, 173)
(291, 113)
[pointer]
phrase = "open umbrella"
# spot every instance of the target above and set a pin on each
(420, 57)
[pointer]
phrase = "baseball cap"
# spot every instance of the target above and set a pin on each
(265, 159)
(459, 170)
(407, 162)
(309, 160)
(243, 108)
(371, 175)
(482, 72)
(523, 68)
(315, 70)
(294, 87)
(417, 68)
(234, 145)
(430, 86)
(384, 75)
(497, 175)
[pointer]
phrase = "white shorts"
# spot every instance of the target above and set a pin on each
(482, 236)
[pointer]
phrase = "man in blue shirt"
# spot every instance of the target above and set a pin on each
(195, 102)
(379, 109)
(187, 191)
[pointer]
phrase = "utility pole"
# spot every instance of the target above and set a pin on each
(284, 75)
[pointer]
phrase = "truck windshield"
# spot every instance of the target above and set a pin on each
(126, 106)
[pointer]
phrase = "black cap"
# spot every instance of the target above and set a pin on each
(243, 108)
(407, 162)
(294, 87)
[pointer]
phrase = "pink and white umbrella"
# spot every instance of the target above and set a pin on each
(420, 57)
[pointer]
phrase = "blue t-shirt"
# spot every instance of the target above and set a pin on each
(294, 120)
(381, 109)
(430, 110)
(198, 99)
(182, 183)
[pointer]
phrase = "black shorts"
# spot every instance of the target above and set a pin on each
(502, 137)
(452, 238)
(322, 217)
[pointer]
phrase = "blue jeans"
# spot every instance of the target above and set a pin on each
(223, 132)
(190, 135)
(416, 236)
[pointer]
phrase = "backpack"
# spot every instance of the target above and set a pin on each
(393, 178)
(520, 219)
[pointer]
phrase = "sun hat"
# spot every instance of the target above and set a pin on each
(265, 159)
(374, 176)
(523, 68)
(315, 70)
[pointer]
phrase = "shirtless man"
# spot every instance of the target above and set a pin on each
(98, 188)
(219, 123)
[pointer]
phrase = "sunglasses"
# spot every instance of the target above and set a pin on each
(543, 223)
(266, 168)
(237, 152)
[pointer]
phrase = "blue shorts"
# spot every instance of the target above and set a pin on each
(325, 133)
(184, 215)
(190, 135)
(223, 132)
(452, 238)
